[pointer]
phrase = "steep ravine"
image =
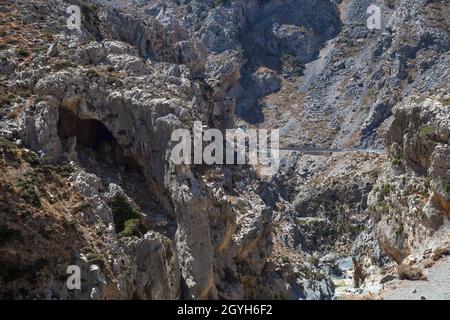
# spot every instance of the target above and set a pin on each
(85, 136)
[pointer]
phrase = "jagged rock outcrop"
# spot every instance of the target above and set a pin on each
(409, 205)
(109, 105)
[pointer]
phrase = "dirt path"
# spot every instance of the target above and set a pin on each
(437, 287)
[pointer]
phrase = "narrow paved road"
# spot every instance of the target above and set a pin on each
(436, 287)
(314, 151)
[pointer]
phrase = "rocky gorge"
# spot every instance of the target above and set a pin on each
(86, 120)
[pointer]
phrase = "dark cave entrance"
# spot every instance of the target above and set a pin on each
(89, 143)
(93, 140)
(146, 49)
(89, 133)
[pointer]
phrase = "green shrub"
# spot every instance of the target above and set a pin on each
(66, 169)
(399, 230)
(241, 207)
(91, 73)
(126, 218)
(87, 6)
(131, 228)
(113, 81)
(39, 49)
(293, 63)
(32, 158)
(386, 189)
(427, 131)
(28, 187)
(384, 207)
(399, 153)
(97, 259)
(22, 53)
(6, 145)
(427, 184)
(313, 260)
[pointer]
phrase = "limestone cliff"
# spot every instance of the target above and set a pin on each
(86, 120)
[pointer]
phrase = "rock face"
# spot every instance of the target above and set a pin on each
(410, 201)
(85, 141)
(126, 118)
(110, 106)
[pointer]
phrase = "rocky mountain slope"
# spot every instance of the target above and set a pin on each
(86, 120)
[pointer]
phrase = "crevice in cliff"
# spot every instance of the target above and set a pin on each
(91, 134)
(96, 150)
(277, 42)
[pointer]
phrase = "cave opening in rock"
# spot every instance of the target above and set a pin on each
(89, 143)
(92, 136)
(89, 133)
(147, 49)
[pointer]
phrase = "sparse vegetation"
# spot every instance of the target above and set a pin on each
(114, 81)
(92, 73)
(313, 210)
(32, 158)
(63, 65)
(313, 260)
(427, 185)
(12, 41)
(383, 207)
(428, 131)
(293, 64)
(386, 189)
(6, 145)
(131, 228)
(8, 99)
(29, 187)
(87, 6)
(399, 153)
(11, 272)
(241, 206)
(97, 259)
(66, 169)
(126, 218)
(399, 230)
(22, 53)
